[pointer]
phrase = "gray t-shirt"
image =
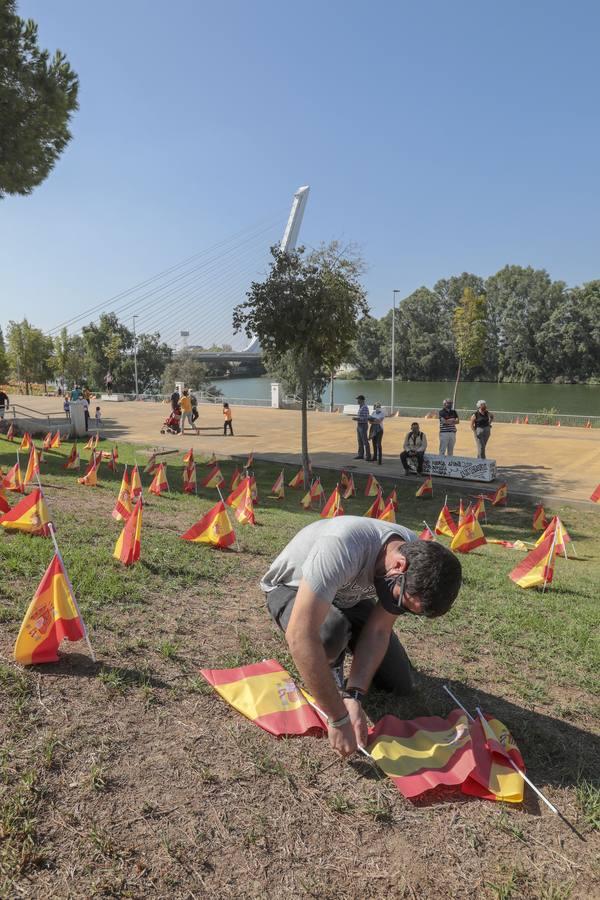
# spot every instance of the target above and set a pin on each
(336, 557)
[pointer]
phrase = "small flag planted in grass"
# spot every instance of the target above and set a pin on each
(29, 515)
(122, 509)
(469, 536)
(445, 523)
(373, 487)
(128, 547)
(333, 507)
(376, 508)
(213, 528)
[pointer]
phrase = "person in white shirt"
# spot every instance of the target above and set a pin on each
(415, 445)
(376, 433)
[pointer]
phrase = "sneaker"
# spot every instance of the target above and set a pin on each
(337, 670)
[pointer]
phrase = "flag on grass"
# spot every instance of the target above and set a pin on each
(562, 535)
(298, 480)
(445, 523)
(10, 434)
(376, 508)
(189, 478)
(235, 479)
(349, 490)
(237, 494)
(33, 465)
(393, 499)
(278, 489)
(213, 528)
(189, 457)
(266, 694)
(595, 497)
(136, 484)
(426, 489)
(25, 441)
(90, 444)
(422, 754)
(29, 515)
(540, 522)
(47, 443)
(344, 478)
(112, 459)
(55, 442)
(128, 546)
(478, 508)
(500, 497)
(333, 507)
(159, 483)
(13, 480)
(51, 617)
(537, 568)
(151, 466)
(373, 487)
(214, 478)
(254, 490)
(388, 513)
(122, 509)
(316, 490)
(90, 477)
(469, 536)
(427, 534)
(249, 461)
(244, 509)
(493, 777)
(4, 504)
(306, 501)
(72, 459)
(212, 461)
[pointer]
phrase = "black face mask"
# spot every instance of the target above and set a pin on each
(384, 586)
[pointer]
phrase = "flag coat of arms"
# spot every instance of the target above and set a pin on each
(373, 487)
(214, 478)
(122, 509)
(493, 777)
(537, 568)
(266, 694)
(25, 442)
(13, 480)
(297, 481)
(51, 617)
(376, 508)
(426, 489)
(136, 484)
(278, 489)
(29, 515)
(469, 536)
(213, 528)
(540, 522)
(333, 507)
(445, 523)
(388, 514)
(72, 459)
(33, 465)
(159, 482)
(128, 547)
(189, 478)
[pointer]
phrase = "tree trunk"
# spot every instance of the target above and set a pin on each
(331, 394)
(456, 383)
(305, 459)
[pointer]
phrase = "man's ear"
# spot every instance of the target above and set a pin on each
(399, 564)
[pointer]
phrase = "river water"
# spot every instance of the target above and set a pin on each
(577, 399)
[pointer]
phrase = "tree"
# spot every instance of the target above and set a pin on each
(3, 360)
(38, 97)
(29, 351)
(305, 315)
(184, 367)
(67, 361)
(367, 352)
(106, 344)
(152, 357)
(469, 326)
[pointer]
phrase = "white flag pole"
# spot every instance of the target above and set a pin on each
(324, 717)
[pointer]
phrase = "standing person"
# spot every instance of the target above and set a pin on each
(415, 445)
(108, 381)
(86, 411)
(186, 411)
(376, 431)
(75, 393)
(4, 403)
(339, 585)
(362, 429)
(98, 417)
(175, 398)
(227, 423)
(448, 421)
(481, 424)
(195, 413)
(67, 407)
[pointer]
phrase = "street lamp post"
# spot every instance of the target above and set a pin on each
(135, 358)
(393, 349)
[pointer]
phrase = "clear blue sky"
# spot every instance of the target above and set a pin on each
(441, 137)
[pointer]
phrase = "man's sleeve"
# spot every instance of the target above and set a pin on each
(424, 441)
(328, 566)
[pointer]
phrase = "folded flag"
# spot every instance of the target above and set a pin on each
(72, 459)
(373, 487)
(29, 515)
(55, 442)
(376, 508)
(278, 489)
(51, 617)
(128, 547)
(122, 509)
(159, 483)
(388, 513)
(426, 489)
(13, 480)
(595, 496)
(213, 528)
(469, 536)
(393, 498)
(349, 490)
(422, 754)
(298, 480)
(445, 523)
(333, 507)
(189, 478)
(537, 569)
(189, 456)
(493, 777)
(266, 694)
(25, 442)
(33, 465)
(235, 479)
(136, 484)
(214, 478)
(540, 522)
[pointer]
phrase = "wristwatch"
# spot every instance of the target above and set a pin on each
(353, 694)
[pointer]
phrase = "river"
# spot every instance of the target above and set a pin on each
(577, 399)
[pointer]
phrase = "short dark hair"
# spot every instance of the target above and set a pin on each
(415, 423)
(434, 574)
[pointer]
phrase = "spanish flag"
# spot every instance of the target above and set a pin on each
(52, 616)
(316, 490)
(349, 490)
(493, 777)
(33, 465)
(478, 509)
(47, 441)
(26, 441)
(72, 459)
(159, 482)
(266, 694)
(213, 528)
(333, 507)
(427, 534)
(500, 497)
(136, 484)
(445, 523)
(595, 497)
(254, 490)
(244, 509)
(376, 508)
(189, 457)
(469, 536)
(540, 522)
(537, 569)
(237, 496)
(13, 481)
(212, 461)
(122, 509)
(388, 513)
(151, 466)
(426, 489)
(90, 444)
(128, 546)
(562, 535)
(249, 461)
(344, 479)
(393, 499)
(55, 442)
(10, 434)
(278, 489)
(214, 478)
(112, 459)
(29, 515)
(235, 479)
(4, 505)
(298, 480)
(373, 487)
(189, 479)
(90, 477)
(422, 754)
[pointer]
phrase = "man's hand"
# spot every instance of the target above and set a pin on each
(358, 721)
(343, 740)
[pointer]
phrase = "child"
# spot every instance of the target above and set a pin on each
(98, 418)
(227, 423)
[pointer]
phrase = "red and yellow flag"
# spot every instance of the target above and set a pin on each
(537, 568)
(427, 534)
(266, 694)
(159, 483)
(72, 459)
(214, 478)
(13, 480)
(388, 514)
(422, 754)
(212, 461)
(306, 501)
(298, 480)
(25, 442)
(349, 489)
(90, 444)
(445, 523)
(249, 461)
(10, 434)
(213, 528)
(112, 459)
(47, 441)
(128, 547)
(500, 497)
(595, 497)
(373, 487)
(344, 478)
(90, 477)
(426, 489)
(122, 509)
(333, 507)
(136, 484)
(235, 479)
(478, 508)
(540, 522)
(189, 457)
(376, 508)
(151, 465)
(29, 515)
(237, 495)
(52, 616)
(278, 489)
(562, 535)
(393, 499)
(244, 509)
(493, 777)
(4, 505)
(189, 478)
(469, 536)
(316, 490)
(33, 465)
(254, 490)
(55, 442)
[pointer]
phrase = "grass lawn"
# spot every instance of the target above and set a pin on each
(131, 778)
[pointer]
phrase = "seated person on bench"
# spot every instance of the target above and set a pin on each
(415, 445)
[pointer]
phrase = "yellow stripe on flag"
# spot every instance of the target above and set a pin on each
(258, 695)
(400, 756)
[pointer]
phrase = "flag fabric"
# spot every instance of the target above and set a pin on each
(212, 461)
(51, 617)
(445, 523)
(316, 490)
(493, 777)
(500, 497)
(254, 490)
(72, 459)
(90, 444)
(237, 494)
(537, 568)
(478, 508)
(151, 466)
(47, 443)
(159, 483)
(189, 457)
(128, 547)
(112, 460)
(461, 513)
(249, 461)
(511, 545)
(344, 478)
(427, 534)
(349, 490)
(333, 507)
(266, 694)
(393, 498)
(469, 536)
(426, 489)
(4, 505)
(10, 434)
(33, 465)
(278, 489)
(244, 510)
(214, 478)
(55, 442)
(562, 535)
(29, 515)
(298, 480)
(376, 508)
(388, 513)
(424, 753)
(373, 487)
(136, 484)
(213, 528)
(540, 522)
(13, 480)
(189, 478)
(595, 496)
(90, 477)
(25, 442)
(306, 501)
(123, 507)
(235, 479)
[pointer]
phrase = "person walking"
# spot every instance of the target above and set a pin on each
(415, 445)
(448, 421)
(376, 431)
(186, 411)
(362, 430)
(227, 423)
(4, 403)
(481, 424)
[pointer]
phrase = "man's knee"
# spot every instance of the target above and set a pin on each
(335, 634)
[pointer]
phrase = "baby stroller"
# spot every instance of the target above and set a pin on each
(171, 424)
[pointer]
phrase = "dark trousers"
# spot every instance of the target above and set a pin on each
(377, 440)
(364, 448)
(227, 425)
(87, 419)
(405, 456)
(340, 631)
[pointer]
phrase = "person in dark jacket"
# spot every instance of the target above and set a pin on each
(481, 424)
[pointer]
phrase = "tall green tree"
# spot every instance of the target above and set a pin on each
(469, 326)
(107, 343)
(4, 368)
(185, 367)
(38, 97)
(29, 351)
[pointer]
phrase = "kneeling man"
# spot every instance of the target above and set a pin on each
(340, 584)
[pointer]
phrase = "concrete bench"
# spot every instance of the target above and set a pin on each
(463, 467)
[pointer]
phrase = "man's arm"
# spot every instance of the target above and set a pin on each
(371, 648)
(424, 438)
